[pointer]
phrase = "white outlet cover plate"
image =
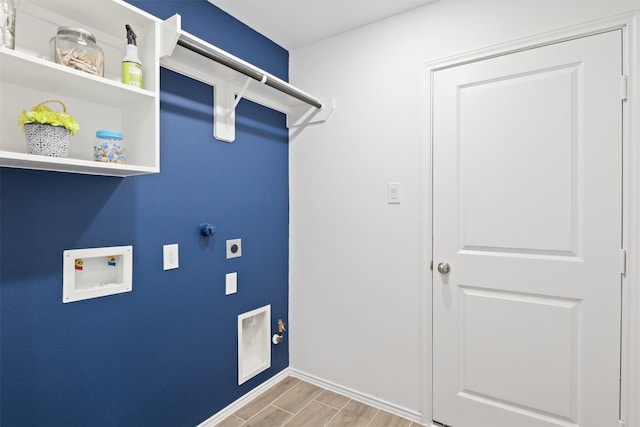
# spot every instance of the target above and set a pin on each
(231, 283)
(230, 245)
(170, 259)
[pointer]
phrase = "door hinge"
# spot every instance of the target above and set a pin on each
(431, 265)
(623, 262)
(624, 87)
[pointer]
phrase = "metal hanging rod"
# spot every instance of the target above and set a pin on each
(249, 71)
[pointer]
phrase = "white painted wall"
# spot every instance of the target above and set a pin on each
(355, 261)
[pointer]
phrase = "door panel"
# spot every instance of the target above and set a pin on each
(498, 178)
(527, 155)
(496, 352)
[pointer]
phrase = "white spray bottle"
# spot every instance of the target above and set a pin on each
(131, 65)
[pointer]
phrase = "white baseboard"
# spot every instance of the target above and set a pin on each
(233, 407)
(360, 397)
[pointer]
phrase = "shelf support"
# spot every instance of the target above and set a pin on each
(225, 102)
(241, 93)
(305, 115)
(224, 116)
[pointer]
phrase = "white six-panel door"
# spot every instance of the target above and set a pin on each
(527, 199)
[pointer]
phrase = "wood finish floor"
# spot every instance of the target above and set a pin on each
(295, 403)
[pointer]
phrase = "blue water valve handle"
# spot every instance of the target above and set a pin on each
(207, 229)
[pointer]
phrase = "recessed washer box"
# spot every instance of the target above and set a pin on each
(254, 343)
(96, 272)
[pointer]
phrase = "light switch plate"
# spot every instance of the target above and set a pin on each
(170, 257)
(393, 193)
(234, 248)
(231, 283)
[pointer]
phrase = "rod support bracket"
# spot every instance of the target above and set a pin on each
(239, 96)
(306, 115)
(224, 115)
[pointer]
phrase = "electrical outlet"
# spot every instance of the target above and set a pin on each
(231, 283)
(234, 248)
(170, 256)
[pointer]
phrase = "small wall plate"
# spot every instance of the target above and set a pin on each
(96, 272)
(234, 248)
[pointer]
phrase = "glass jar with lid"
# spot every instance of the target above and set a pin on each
(109, 147)
(77, 48)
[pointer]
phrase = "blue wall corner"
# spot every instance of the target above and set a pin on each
(164, 354)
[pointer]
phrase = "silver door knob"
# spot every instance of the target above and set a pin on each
(444, 268)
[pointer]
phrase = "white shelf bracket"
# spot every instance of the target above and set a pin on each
(306, 115)
(241, 93)
(224, 114)
(225, 102)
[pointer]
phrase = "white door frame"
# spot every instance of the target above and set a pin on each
(630, 26)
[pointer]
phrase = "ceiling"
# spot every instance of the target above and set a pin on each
(295, 23)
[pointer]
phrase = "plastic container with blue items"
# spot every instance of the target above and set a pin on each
(109, 147)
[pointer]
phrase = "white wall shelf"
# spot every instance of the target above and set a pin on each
(28, 77)
(232, 85)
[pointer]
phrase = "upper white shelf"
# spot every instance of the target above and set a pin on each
(28, 76)
(27, 70)
(193, 57)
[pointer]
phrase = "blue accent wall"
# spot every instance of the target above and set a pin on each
(164, 354)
